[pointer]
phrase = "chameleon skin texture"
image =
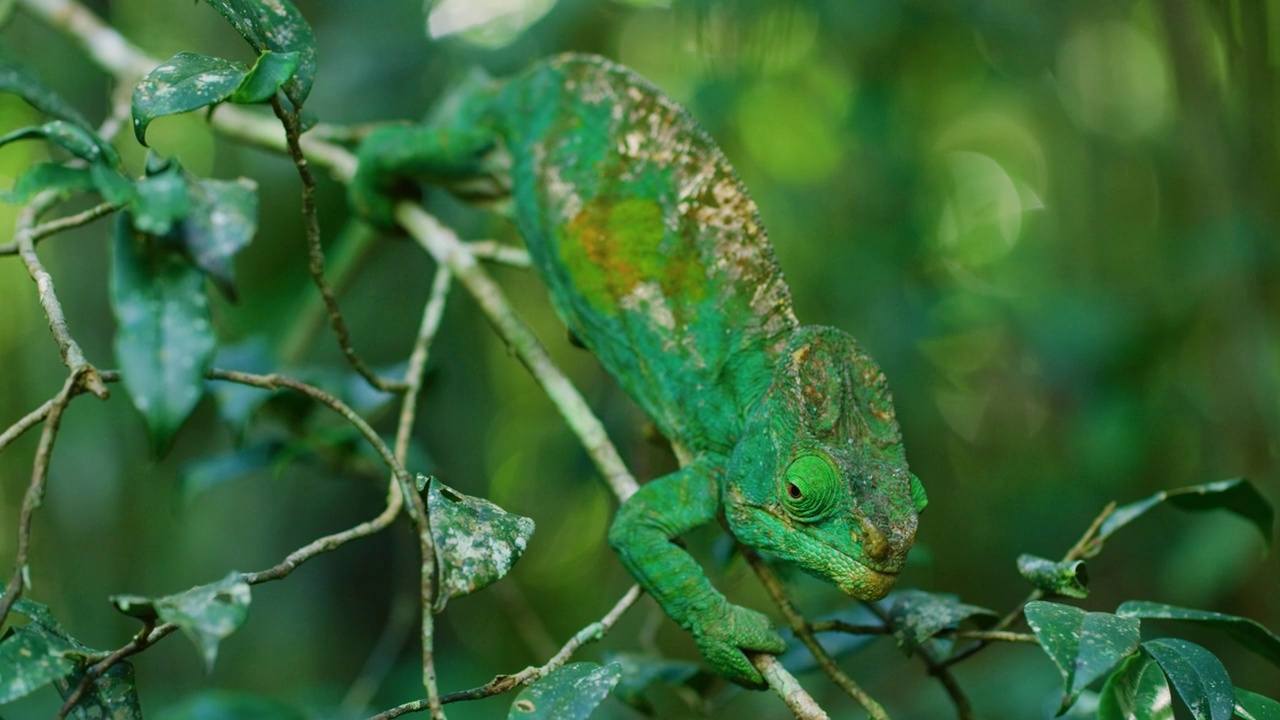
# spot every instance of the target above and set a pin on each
(656, 260)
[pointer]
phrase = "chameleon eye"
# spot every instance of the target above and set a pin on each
(813, 487)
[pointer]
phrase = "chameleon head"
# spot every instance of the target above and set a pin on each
(819, 477)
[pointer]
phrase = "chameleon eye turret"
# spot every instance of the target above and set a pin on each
(812, 488)
(657, 261)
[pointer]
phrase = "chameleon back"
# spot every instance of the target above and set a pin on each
(654, 252)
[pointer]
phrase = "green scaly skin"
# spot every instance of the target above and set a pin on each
(657, 261)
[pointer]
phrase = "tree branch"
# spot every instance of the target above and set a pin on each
(801, 628)
(506, 683)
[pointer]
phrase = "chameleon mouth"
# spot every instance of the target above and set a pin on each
(866, 583)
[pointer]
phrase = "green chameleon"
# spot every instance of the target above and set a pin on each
(658, 263)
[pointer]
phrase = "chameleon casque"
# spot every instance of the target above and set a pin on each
(657, 261)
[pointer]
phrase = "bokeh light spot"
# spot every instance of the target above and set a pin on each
(1112, 79)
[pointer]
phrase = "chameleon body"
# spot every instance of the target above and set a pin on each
(657, 261)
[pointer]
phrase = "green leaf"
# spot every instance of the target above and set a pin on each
(161, 201)
(112, 186)
(1068, 579)
(17, 81)
(75, 139)
(1252, 706)
(222, 221)
(164, 339)
(207, 614)
(279, 27)
(1137, 691)
(1198, 676)
(1248, 633)
(477, 542)
(1238, 496)
(48, 176)
(185, 82)
(571, 693)
(114, 694)
(640, 672)
(1084, 645)
(916, 616)
(31, 658)
(269, 73)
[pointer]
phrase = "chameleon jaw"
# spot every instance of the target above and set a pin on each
(760, 529)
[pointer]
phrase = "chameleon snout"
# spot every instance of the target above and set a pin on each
(874, 542)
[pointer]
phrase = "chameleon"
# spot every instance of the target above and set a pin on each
(657, 261)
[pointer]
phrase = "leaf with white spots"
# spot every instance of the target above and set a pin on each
(30, 658)
(185, 82)
(275, 25)
(222, 220)
(1084, 645)
(916, 616)
(571, 693)
(476, 541)
(1068, 579)
(75, 139)
(1198, 676)
(1248, 633)
(164, 338)
(111, 696)
(1252, 706)
(207, 614)
(1136, 691)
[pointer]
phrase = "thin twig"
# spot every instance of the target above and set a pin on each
(801, 629)
(140, 642)
(72, 356)
(500, 253)
(315, 251)
(448, 250)
(506, 683)
(35, 492)
(936, 668)
(62, 224)
(1086, 546)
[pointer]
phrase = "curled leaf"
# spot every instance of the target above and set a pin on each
(1068, 579)
(476, 541)
(207, 613)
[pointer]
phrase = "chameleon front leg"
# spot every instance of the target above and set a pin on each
(394, 160)
(643, 532)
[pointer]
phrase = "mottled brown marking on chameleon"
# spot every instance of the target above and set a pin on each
(713, 210)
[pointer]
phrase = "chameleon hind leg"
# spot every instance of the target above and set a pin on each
(643, 532)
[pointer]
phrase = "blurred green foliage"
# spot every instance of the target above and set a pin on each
(1053, 224)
